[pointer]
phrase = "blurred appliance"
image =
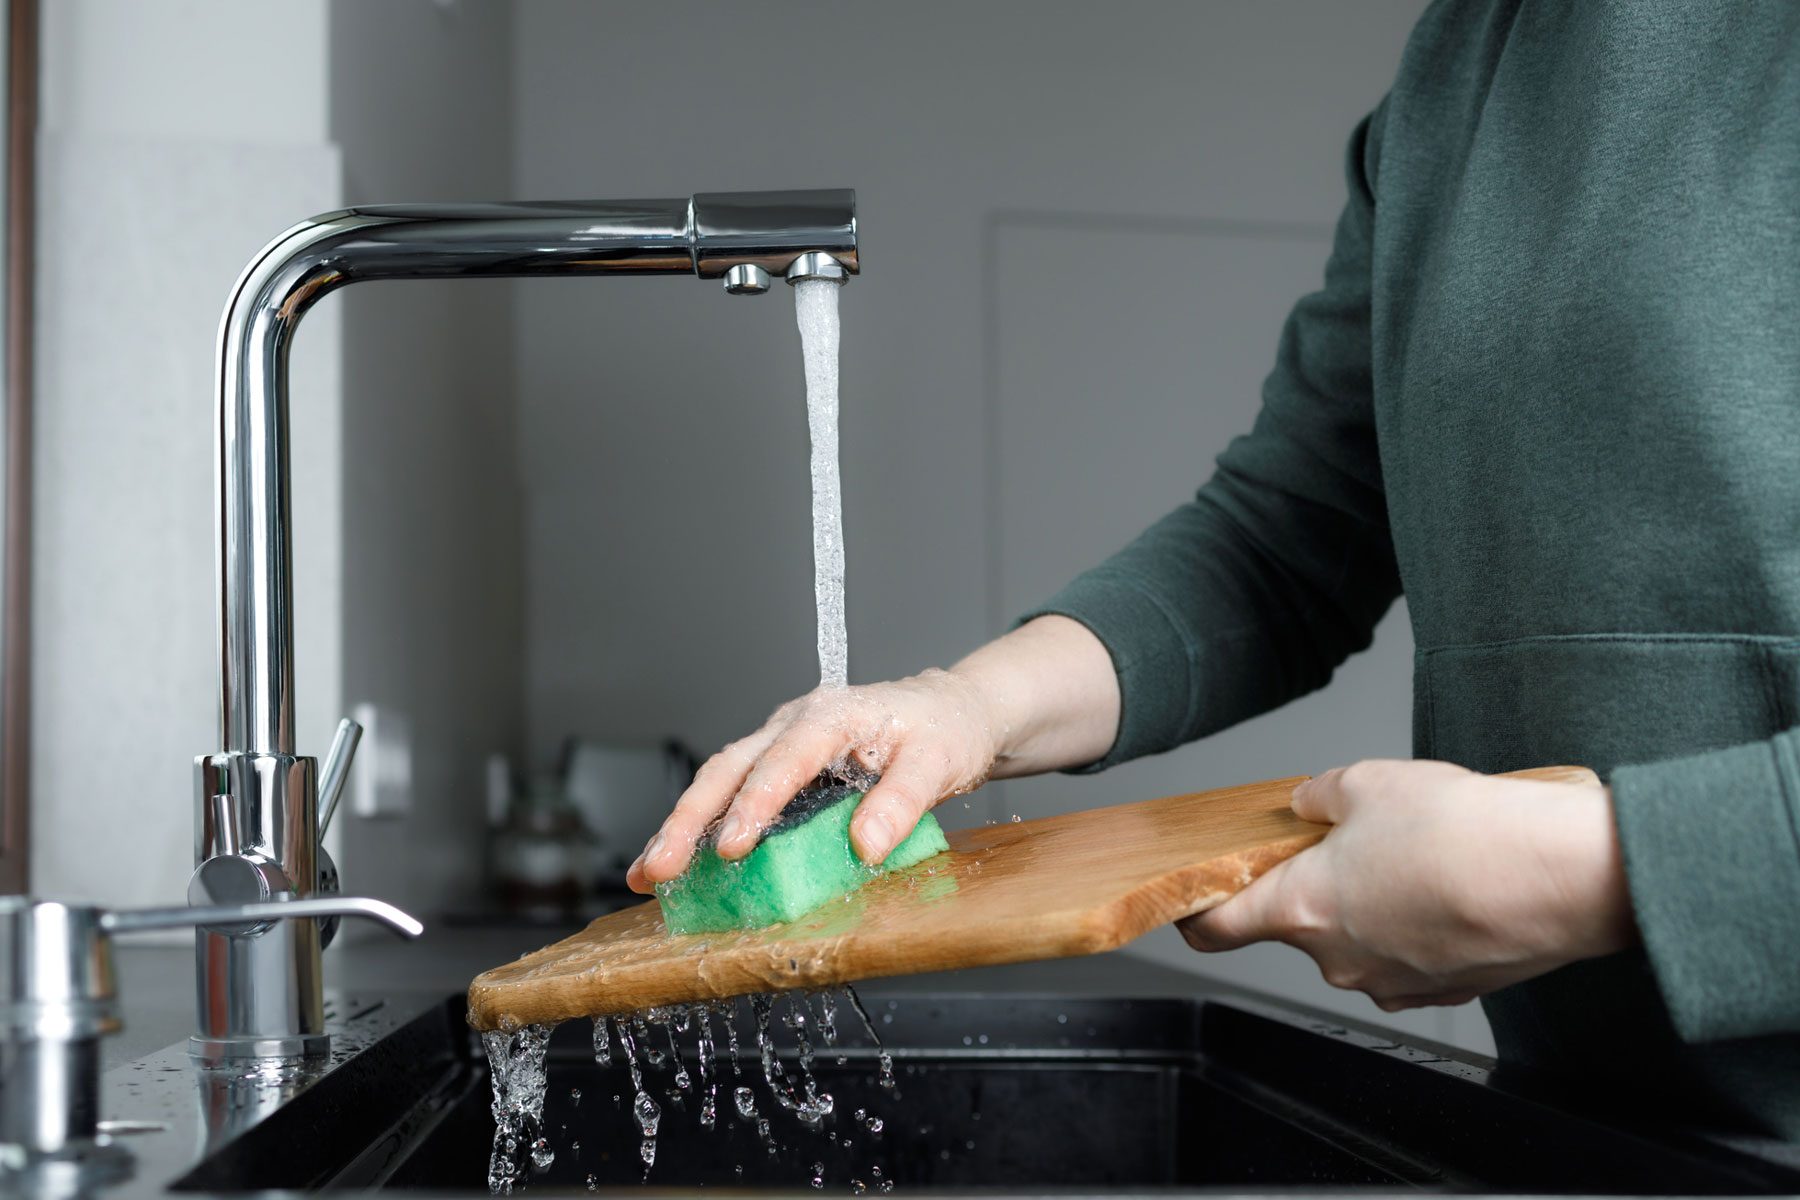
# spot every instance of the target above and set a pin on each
(623, 792)
(544, 859)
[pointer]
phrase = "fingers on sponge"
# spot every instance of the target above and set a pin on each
(802, 862)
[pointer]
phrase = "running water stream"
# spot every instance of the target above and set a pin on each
(516, 1059)
(816, 310)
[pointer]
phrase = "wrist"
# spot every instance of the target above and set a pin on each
(1588, 867)
(989, 705)
(1048, 694)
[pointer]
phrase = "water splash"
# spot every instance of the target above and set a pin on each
(656, 1037)
(709, 1108)
(731, 1039)
(640, 1027)
(516, 1068)
(643, 1105)
(819, 1104)
(774, 1075)
(828, 1023)
(682, 1079)
(888, 1082)
(816, 312)
(602, 1043)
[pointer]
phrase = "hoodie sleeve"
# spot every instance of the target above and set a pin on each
(1712, 858)
(1279, 568)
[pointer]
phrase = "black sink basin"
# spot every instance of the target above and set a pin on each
(1022, 1094)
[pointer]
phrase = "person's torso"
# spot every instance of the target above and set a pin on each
(1586, 331)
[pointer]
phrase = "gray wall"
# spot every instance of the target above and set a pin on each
(1082, 226)
(421, 106)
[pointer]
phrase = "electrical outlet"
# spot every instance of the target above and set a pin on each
(381, 781)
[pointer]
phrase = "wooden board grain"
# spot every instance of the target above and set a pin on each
(1059, 886)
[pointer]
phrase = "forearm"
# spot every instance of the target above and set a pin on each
(1050, 693)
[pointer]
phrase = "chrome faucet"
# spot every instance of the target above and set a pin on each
(256, 829)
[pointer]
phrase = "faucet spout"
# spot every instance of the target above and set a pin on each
(258, 796)
(707, 235)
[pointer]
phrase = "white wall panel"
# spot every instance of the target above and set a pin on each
(139, 244)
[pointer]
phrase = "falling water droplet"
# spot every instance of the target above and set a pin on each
(602, 1043)
(640, 1026)
(886, 1060)
(648, 1114)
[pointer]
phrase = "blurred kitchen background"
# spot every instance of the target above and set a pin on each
(565, 522)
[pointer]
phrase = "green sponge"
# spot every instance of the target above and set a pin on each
(803, 860)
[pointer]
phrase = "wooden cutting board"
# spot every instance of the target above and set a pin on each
(1050, 888)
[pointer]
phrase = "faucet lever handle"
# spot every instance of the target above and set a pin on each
(337, 771)
(227, 836)
(134, 920)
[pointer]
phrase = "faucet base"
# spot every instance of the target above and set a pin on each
(258, 991)
(213, 1051)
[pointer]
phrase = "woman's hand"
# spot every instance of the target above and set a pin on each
(1437, 884)
(1044, 696)
(928, 737)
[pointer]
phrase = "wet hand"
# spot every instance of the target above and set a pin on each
(929, 737)
(1437, 884)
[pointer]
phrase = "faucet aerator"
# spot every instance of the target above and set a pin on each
(816, 264)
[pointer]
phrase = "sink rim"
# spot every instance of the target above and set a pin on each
(1226, 1025)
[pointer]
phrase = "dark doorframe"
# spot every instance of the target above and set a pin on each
(15, 597)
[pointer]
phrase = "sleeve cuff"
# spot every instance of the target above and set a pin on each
(1149, 654)
(1712, 859)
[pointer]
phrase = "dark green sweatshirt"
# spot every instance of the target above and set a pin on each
(1550, 390)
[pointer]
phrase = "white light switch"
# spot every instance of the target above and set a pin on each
(381, 781)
